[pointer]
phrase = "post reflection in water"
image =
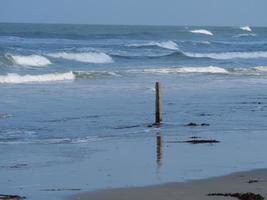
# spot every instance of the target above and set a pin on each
(159, 150)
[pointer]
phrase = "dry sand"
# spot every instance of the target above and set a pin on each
(194, 190)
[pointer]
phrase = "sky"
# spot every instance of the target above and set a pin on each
(137, 12)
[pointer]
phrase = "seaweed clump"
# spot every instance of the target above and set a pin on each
(240, 196)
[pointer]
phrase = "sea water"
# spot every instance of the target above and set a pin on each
(77, 102)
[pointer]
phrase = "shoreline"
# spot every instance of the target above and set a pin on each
(254, 182)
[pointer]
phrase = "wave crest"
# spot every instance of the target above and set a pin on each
(229, 55)
(246, 28)
(90, 57)
(15, 78)
(261, 68)
(95, 74)
(210, 69)
(32, 60)
(165, 45)
(202, 31)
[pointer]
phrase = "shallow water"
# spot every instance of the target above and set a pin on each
(76, 102)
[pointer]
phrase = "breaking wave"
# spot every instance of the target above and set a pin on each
(202, 31)
(16, 78)
(246, 28)
(72, 75)
(229, 55)
(95, 74)
(261, 68)
(250, 71)
(89, 57)
(32, 60)
(210, 69)
(166, 45)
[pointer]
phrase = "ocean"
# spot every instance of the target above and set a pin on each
(77, 102)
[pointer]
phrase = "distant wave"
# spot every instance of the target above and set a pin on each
(246, 28)
(202, 31)
(191, 55)
(15, 78)
(32, 60)
(229, 55)
(89, 57)
(166, 45)
(245, 35)
(210, 69)
(176, 54)
(72, 75)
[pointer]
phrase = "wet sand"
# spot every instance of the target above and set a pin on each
(242, 182)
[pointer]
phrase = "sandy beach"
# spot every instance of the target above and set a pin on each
(243, 182)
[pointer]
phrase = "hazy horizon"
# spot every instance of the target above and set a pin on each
(127, 12)
(155, 25)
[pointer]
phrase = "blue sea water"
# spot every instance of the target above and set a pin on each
(76, 102)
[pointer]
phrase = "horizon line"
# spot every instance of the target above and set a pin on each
(102, 24)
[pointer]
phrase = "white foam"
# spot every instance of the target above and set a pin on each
(202, 31)
(202, 42)
(166, 45)
(246, 28)
(15, 78)
(229, 55)
(84, 74)
(210, 69)
(245, 35)
(90, 57)
(32, 60)
(261, 68)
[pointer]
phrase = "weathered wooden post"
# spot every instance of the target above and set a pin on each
(158, 117)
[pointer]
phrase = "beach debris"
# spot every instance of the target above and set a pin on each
(204, 114)
(11, 197)
(240, 196)
(191, 124)
(16, 166)
(204, 124)
(61, 189)
(197, 141)
(195, 137)
(253, 102)
(253, 181)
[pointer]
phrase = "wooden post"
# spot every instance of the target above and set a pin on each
(158, 118)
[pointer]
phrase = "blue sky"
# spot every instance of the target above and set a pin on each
(151, 12)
